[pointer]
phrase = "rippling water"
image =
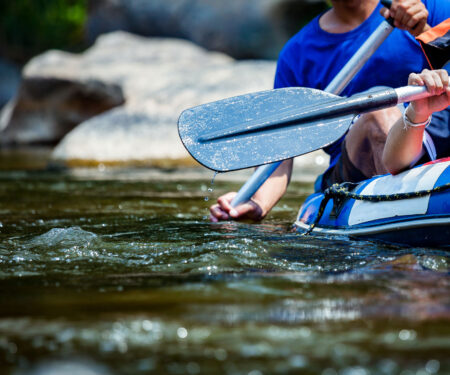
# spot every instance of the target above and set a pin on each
(119, 272)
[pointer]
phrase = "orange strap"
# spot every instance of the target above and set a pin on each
(435, 32)
(435, 44)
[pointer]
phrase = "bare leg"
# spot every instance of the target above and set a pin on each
(366, 139)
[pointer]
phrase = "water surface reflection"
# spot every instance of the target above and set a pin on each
(121, 274)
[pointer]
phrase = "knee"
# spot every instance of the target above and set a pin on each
(376, 125)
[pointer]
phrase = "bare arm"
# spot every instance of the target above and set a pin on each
(261, 203)
(404, 142)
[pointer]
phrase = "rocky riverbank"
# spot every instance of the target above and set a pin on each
(119, 101)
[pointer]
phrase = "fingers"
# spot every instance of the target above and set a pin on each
(385, 12)
(444, 77)
(222, 209)
(434, 80)
(446, 82)
(415, 80)
(419, 28)
(216, 214)
(410, 15)
(250, 209)
(430, 82)
(437, 84)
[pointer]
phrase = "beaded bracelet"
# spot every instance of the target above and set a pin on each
(409, 124)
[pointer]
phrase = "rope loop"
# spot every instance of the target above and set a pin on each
(341, 191)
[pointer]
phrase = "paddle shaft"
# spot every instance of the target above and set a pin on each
(336, 86)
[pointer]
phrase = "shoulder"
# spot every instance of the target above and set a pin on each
(305, 34)
(289, 59)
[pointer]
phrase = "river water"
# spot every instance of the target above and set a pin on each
(118, 271)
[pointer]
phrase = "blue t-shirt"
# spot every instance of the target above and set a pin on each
(313, 57)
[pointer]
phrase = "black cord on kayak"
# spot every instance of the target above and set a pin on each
(342, 191)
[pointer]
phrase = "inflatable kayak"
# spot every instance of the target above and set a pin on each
(411, 208)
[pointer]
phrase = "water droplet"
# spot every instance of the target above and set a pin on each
(214, 177)
(193, 368)
(432, 366)
(298, 361)
(329, 371)
(406, 335)
(221, 354)
(320, 160)
(305, 332)
(12, 348)
(147, 325)
(182, 332)
(147, 364)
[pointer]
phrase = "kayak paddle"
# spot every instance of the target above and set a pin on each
(274, 125)
(244, 131)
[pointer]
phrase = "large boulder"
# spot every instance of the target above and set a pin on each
(46, 108)
(240, 28)
(158, 78)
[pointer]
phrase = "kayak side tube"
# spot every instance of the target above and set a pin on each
(419, 221)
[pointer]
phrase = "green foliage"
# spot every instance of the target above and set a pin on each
(28, 27)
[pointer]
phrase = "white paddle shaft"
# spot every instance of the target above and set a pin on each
(410, 93)
(354, 65)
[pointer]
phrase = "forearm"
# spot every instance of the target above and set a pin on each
(274, 188)
(403, 146)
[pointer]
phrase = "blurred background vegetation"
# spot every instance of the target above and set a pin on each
(29, 27)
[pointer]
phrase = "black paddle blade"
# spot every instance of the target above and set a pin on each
(259, 128)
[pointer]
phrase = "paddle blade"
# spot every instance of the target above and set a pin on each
(257, 128)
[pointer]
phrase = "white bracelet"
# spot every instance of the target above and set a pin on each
(409, 124)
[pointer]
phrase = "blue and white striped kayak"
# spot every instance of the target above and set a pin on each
(419, 221)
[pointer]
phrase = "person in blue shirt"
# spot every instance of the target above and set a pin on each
(315, 55)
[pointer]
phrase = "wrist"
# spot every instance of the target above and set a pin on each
(413, 119)
(260, 209)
